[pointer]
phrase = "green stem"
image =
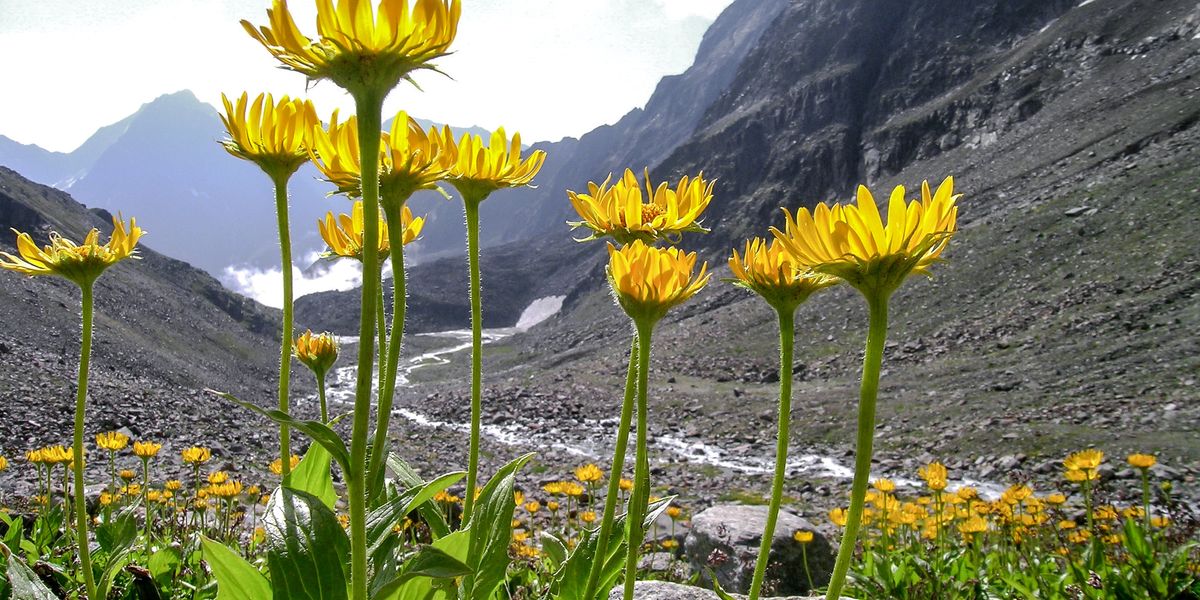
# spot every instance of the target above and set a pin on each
(635, 528)
(146, 499)
(321, 397)
(381, 324)
(807, 572)
(876, 336)
(786, 338)
(81, 516)
(285, 348)
(369, 106)
(472, 212)
(614, 476)
(1146, 499)
(375, 471)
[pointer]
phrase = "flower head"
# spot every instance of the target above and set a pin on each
(803, 536)
(113, 441)
(1142, 461)
(146, 450)
(588, 473)
(624, 212)
(852, 243)
(274, 136)
(317, 352)
(479, 170)
(649, 281)
(80, 263)
(276, 465)
(1084, 459)
(410, 158)
(772, 273)
(196, 455)
(357, 50)
(344, 234)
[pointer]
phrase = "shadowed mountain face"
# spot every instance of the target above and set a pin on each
(163, 331)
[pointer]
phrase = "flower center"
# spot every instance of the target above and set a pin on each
(650, 212)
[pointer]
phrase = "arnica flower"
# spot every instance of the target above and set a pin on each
(317, 352)
(649, 281)
(274, 136)
(1085, 459)
(625, 213)
(79, 263)
(226, 490)
(344, 233)
(146, 450)
(851, 241)
(772, 273)
(113, 441)
(127, 474)
(803, 536)
(276, 465)
(357, 50)
(410, 158)
(674, 513)
(218, 477)
(884, 485)
(479, 170)
(837, 516)
(196, 455)
(1142, 461)
(588, 473)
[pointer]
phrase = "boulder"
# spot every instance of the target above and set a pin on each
(725, 540)
(663, 590)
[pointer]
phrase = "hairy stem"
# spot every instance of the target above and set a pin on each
(285, 346)
(472, 212)
(375, 472)
(635, 528)
(81, 516)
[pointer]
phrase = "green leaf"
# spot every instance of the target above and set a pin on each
(454, 545)
(307, 550)
(164, 564)
(490, 526)
(25, 583)
(119, 533)
(381, 520)
(571, 579)
(312, 475)
(236, 578)
(318, 431)
(429, 562)
(554, 548)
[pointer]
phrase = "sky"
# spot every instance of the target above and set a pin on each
(546, 68)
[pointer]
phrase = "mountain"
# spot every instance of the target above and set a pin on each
(163, 165)
(1064, 315)
(163, 331)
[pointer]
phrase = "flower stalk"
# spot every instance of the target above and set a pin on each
(471, 204)
(395, 341)
(635, 528)
(81, 516)
(285, 347)
(876, 336)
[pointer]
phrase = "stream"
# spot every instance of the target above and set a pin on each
(583, 442)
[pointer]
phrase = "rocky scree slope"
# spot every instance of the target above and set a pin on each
(163, 332)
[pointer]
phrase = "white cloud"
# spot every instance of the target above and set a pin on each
(266, 285)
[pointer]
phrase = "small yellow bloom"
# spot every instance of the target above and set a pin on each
(173, 485)
(967, 493)
(1160, 522)
(852, 243)
(552, 506)
(772, 273)
(1086, 459)
(274, 136)
(587, 516)
(649, 281)
(146, 450)
(277, 464)
(572, 489)
(317, 352)
(518, 497)
(1066, 524)
(1142, 461)
(410, 158)
(1056, 499)
(218, 477)
(196, 455)
(838, 517)
(113, 441)
(803, 536)
(973, 524)
(626, 213)
(553, 488)
(1081, 475)
(533, 506)
(127, 474)
(56, 455)
(884, 485)
(357, 50)
(674, 512)
(479, 170)
(226, 490)
(669, 544)
(625, 484)
(933, 471)
(79, 263)
(588, 473)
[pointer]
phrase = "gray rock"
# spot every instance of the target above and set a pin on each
(662, 590)
(725, 539)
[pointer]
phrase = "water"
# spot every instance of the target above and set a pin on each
(583, 443)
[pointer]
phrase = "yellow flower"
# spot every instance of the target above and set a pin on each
(649, 281)
(884, 485)
(1085, 459)
(625, 484)
(572, 489)
(277, 464)
(127, 474)
(553, 488)
(1081, 475)
(357, 50)
(518, 497)
(624, 212)
(772, 273)
(852, 243)
(317, 352)
(3, 463)
(479, 170)
(1056, 499)
(587, 516)
(1160, 522)
(274, 136)
(933, 471)
(838, 517)
(344, 234)
(196, 455)
(669, 544)
(226, 489)
(79, 263)
(967, 493)
(552, 506)
(218, 477)
(533, 506)
(802, 536)
(113, 441)
(1142, 461)
(173, 485)
(674, 513)
(146, 450)
(410, 158)
(973, 524)
(588, 473)
(1066, 524)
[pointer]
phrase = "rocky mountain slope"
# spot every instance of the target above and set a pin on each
(163, 332)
